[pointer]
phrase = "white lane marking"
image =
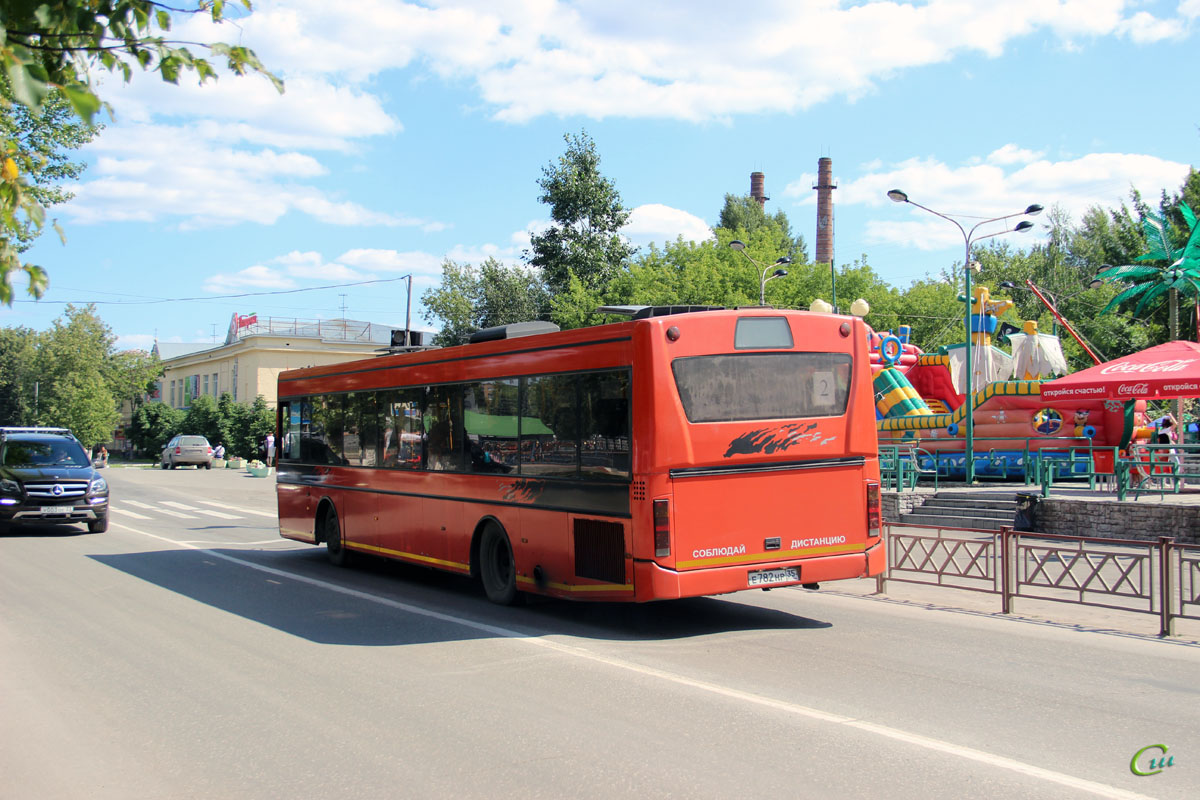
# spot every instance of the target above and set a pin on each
(219, 514)
(171, 513)
(180, 506)
(926, 742)
(125, 513)
(139, 505)
(271, 514)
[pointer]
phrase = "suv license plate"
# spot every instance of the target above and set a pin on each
(767, 577)
(57, 509)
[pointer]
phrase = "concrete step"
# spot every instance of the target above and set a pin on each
(950, 501)
(937, 509)
(938, 521)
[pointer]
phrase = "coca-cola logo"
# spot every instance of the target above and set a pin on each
(1126, 367)
(1133, 388)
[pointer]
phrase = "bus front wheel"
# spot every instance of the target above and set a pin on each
(496, 566)
(334, 547)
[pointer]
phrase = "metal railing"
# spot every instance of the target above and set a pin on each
(1160, 578)
(1157, 468)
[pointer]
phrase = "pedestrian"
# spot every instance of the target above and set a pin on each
(219, 451)
(270, 448)
(1168, 434)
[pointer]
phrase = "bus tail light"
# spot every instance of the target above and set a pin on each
(662, 528)
(874, 510)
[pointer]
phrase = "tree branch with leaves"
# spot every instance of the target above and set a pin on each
(49, 46)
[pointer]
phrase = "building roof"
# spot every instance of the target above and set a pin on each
(327, 330)
(168, 350)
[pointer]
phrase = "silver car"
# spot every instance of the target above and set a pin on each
(184, 450)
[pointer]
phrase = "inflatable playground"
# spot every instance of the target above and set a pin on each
(921, 406)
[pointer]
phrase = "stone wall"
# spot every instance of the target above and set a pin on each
(1109, 519)
(1116, 520)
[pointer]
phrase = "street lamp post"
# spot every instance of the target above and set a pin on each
(969, 238)
(762, 283)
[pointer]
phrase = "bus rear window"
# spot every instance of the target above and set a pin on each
(750, 386)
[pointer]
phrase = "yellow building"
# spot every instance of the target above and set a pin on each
(255, 352)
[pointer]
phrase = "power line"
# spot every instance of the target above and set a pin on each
(212, 296)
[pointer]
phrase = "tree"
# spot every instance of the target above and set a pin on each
(43, 140)
(743, 215)
(585, 237)
(131, 376)
(204, 419)
(469, 299)
(57, 46)
(153, 425)
(72, 358)
(247, 426)
(18, 354)
(81, 402)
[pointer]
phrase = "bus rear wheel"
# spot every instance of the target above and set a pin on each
(497, 569)
(339, 556)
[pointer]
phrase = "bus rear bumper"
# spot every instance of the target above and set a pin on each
(655, 582)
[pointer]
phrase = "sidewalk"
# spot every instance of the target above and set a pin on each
(1069, 616)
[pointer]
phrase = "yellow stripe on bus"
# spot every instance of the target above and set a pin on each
(611, 587)
(370, 548)
(774, 556)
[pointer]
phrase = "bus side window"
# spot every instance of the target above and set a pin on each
(604, 424)
(445, 442)
(403, 430)
(549, 427)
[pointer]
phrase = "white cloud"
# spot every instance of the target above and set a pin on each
(1011, 154)
(1145, 28)
(630, 58)
(655, 222)
(256, 277)
(979, 191)
(154, 173)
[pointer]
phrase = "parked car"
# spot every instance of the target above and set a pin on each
(47, 478)
(184, 450)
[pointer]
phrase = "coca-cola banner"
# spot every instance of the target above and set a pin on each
(1165, 371)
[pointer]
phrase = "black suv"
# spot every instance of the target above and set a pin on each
(47, 478)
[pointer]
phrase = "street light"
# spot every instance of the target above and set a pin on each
(762, 284)
(969, 238)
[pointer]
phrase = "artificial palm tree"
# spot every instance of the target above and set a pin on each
(1180, 276)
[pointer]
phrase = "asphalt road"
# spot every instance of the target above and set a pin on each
(190, 652)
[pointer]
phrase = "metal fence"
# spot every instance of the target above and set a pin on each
(1161, 578)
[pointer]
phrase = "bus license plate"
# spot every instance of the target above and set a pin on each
(767, 577)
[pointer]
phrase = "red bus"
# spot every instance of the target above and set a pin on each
(671, 455)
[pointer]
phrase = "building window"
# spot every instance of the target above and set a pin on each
(233, 379)
(172, 393)
(206, 383)
(214, 385)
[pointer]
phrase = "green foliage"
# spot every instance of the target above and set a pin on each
(153, 425)
(51, 50)
(81, 401)
(39, 143)
(18, 371)
(742, 216)
(587, 215)
(203, 419)
(469, 299)
(246, 427)
(131, 375)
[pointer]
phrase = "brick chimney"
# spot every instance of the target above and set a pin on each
(825, 185)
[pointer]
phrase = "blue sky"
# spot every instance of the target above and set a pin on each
(414, 132)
